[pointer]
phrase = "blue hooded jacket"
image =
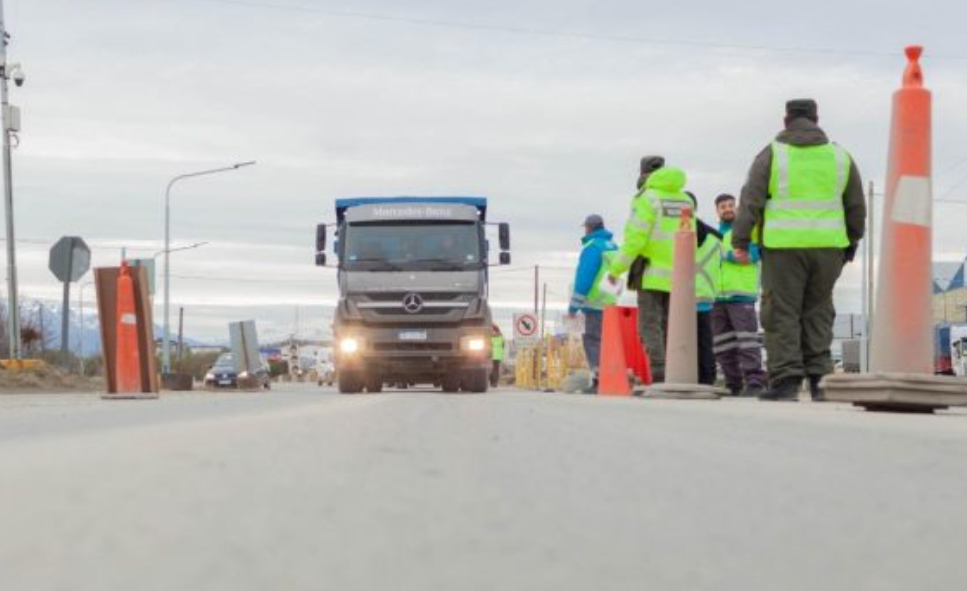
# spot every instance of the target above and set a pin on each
(595, 245)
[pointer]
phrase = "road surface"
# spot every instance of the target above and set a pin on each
(303, 489)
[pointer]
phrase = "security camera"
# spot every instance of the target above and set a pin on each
(17, 74)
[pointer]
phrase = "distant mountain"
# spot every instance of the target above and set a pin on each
(85, 337)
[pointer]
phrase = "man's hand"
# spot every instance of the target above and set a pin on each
(741, 256)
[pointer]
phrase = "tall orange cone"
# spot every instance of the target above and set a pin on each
(901, 349)
(613, 367)
(127, 357)
(681, 349)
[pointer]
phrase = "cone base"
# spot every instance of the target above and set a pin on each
(897, 392)
(684, 392)
(130, 396)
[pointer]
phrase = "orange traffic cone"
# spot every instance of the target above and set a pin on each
(613, 370)
(636, 357)
(901, 351)
(681, 350)
(127, 358)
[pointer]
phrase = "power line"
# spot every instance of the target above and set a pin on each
(518, 30)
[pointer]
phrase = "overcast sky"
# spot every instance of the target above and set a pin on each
(543, 106)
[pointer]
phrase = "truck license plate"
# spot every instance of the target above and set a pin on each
(413, 335)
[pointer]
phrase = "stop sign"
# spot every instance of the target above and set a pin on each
(70, 258)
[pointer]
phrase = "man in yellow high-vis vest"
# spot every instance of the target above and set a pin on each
(804, 202)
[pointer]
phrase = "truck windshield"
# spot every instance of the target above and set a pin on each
(397, 247)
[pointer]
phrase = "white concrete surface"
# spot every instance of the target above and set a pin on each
(304, 489)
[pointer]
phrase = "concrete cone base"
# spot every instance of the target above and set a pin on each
(130, 396)
(684, 392)
(897, 392)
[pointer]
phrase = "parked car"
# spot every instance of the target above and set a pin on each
(223, 375)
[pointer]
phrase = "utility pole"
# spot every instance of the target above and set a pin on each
(537, 281)
(867, 286)
(181, 335)
(13, 306)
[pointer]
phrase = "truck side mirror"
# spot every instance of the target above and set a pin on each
(505, 258)
(504, 231)
(320, 237)
(320, 259)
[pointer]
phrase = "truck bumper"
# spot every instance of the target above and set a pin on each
(414, 352)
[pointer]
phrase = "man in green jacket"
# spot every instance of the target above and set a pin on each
(803, 203)
(649, 234)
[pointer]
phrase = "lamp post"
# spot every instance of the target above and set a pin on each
(166, 359)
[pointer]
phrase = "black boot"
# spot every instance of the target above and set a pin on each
(815, 390)
(785, 390)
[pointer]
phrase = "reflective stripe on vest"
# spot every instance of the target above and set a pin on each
(667, 208)
(806, 186)
(737, 280)
(708, 269)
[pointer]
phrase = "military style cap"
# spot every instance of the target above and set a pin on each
(802, 108)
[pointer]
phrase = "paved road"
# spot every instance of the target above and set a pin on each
(304, 489)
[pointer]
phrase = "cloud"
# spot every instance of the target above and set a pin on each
(122, 96)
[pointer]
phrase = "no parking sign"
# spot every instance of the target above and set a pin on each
(525, 327)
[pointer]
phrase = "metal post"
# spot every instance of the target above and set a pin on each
(181, 335)
(65, 313)
(80, 323)
(537, 275)
(13, 307)
(166, 346)
(868, 271)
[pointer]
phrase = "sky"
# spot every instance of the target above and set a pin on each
(543, 106)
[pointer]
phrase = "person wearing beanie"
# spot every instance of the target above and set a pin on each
(588, 297)
(803, 203)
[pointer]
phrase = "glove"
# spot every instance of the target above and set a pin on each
(849, 253)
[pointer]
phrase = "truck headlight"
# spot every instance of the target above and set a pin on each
(473, 344)
(350, 345)
(209, 376)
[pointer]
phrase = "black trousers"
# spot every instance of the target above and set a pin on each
(706, 351)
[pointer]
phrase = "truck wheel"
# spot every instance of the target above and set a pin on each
(374, 384)
(350, 383)
(476, 380)
(451, 382)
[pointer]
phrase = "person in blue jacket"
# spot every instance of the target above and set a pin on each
(587, 298)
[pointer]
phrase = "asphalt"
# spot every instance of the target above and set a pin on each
(305, 489)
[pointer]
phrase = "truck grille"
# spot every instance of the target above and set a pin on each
(413, 346)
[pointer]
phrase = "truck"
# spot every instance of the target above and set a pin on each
(413, 303)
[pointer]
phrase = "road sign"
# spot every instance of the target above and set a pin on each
(148, 265)
(245, 346)
(70, 258)
(526, 327)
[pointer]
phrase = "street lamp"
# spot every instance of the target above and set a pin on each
(179, 249)
(166, 359)
(10, 120)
